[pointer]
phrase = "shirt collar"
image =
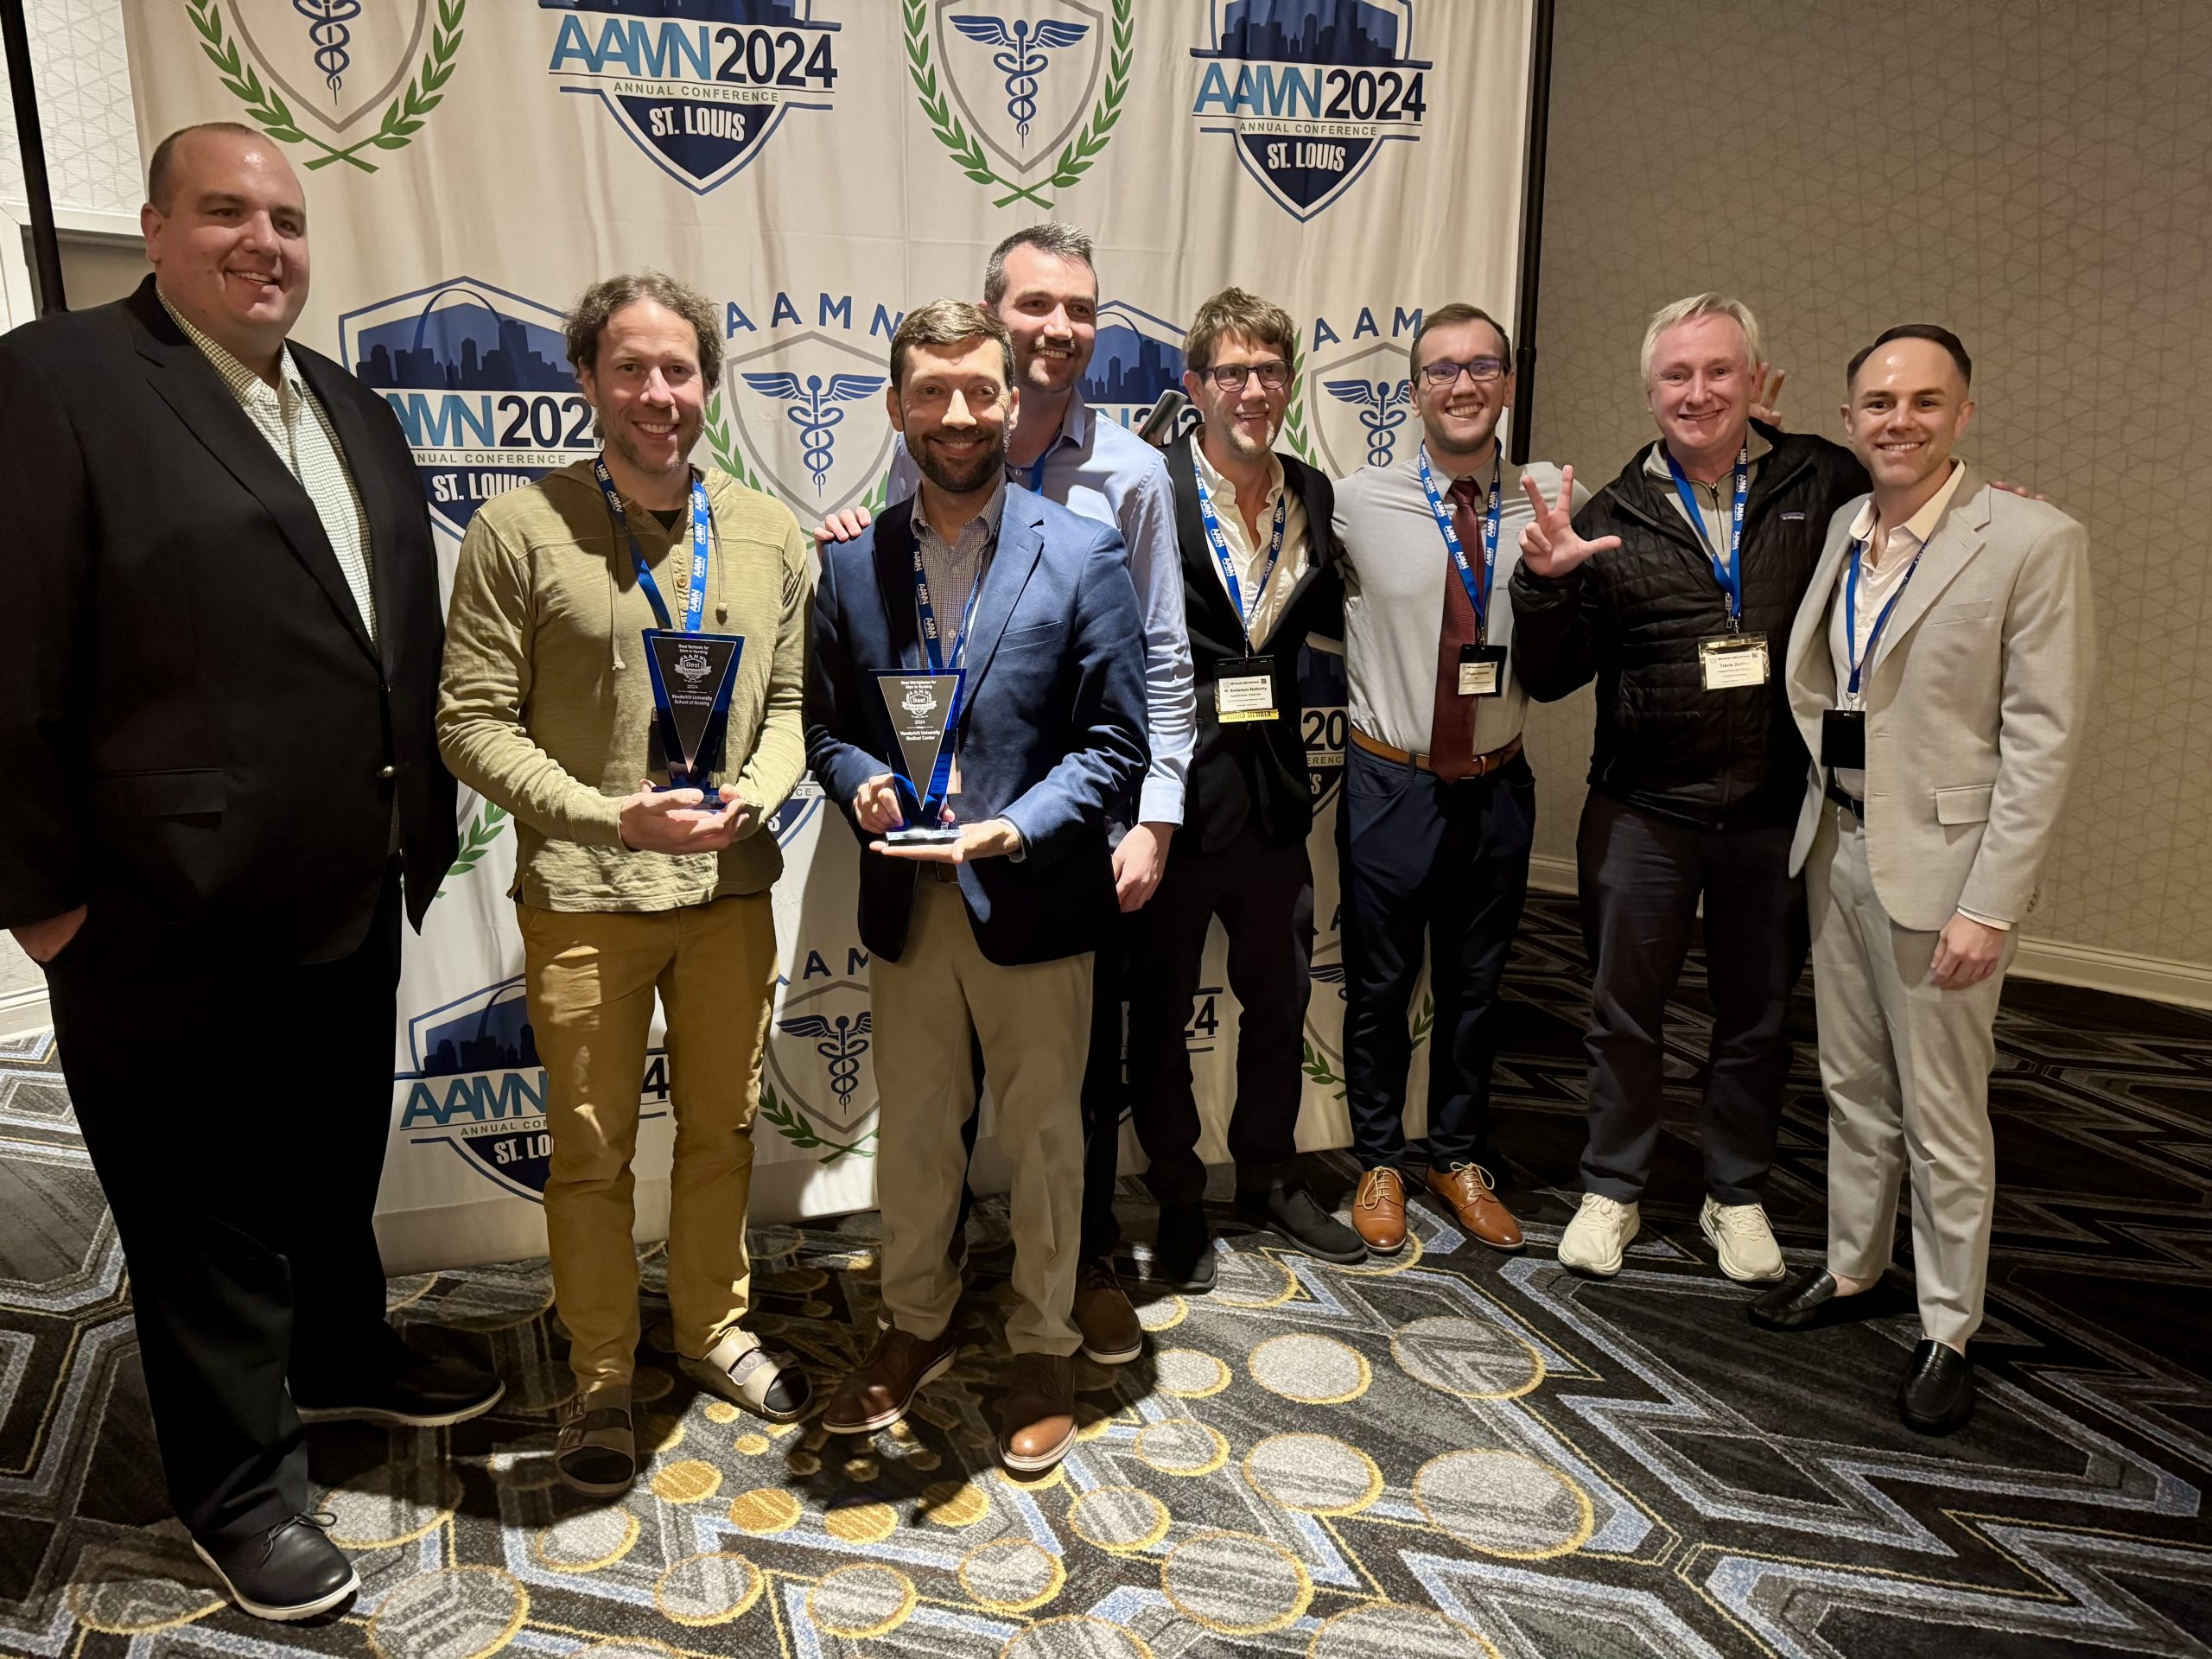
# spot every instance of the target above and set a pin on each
(1218, 483)
(236, 375)
(981, 531)
(1075, 428)
(1445, 480)
(1922, 523)
(1655, 462)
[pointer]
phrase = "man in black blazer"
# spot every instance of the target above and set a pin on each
(219, 658)
(1258, 570)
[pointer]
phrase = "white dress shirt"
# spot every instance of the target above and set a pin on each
(1247, 555)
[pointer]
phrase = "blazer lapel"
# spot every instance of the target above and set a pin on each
(1021, 542)
(1957, 537)
(894, 581)
(1809, 663)
(355, 445)
(180, 373)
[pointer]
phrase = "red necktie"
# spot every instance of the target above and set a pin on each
(1451, 728)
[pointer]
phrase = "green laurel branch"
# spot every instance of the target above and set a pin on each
(1317, 1068)
(722, 443)
(490, 823)
(1293, 422)
(798, 1130)
(1083, 149)
(264, 104)
(405, 118)
(1425, 1021)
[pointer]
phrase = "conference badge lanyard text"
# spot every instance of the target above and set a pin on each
(1244, 687)
(924, 709)
(692, 672)
(1843, 731)
(1482, 665)
(1734, 658)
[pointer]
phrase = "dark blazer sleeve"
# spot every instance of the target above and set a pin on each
(1107, 748)
(834, 717)
(46, 575)
(1322, 610)
(1556, 622)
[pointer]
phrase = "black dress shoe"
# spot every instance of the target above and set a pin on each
(1182, 1256)
(426, 1393)
(1937, 1394)
(1809, 1301)
(1294, 1212)
(287, 1571)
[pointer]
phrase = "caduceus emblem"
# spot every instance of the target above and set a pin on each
(326, 27)
(1023, 57)
(1383, 408)
(841, 1042)
(815, 409)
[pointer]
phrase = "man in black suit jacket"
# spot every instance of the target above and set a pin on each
(219, 658)
(1258, 570)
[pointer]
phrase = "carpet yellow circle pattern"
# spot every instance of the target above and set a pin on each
(1119, 1518)
(1011, 1575)
(1475, 1359)
(1189, 1373)
(587, 1541)
(1075, 1636)
(1505, 1503)
(763, 1510)
(955, 1503)
(861, 1602)
(1236, 1583)
(686, 1481)
(701, 1590)
(1311, 1370)
(1181, 1445)
(1163, 1315)
(1401, 1632)
(140, 1583)
(860, 1523)
(456, 1612)
(393, 1504)
(1248, 1278)
(1314, 1474)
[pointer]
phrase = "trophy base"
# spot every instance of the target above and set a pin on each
(934, 835)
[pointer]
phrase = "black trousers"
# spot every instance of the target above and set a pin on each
(1418, 857)
(237, 1115)
(1105, 1099)
(1640, 877)
(1264, 896)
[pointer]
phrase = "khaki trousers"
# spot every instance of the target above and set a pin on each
(1034, 1025)
(591, 975)
(1906, 1068)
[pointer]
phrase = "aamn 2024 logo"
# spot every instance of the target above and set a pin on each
(1134, 357)
(699, 84)
(481, 381)
(1352, 403)
(476, 1086)
(316, 72)
(1310, 90)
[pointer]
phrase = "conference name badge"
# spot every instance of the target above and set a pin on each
(1843, 737)
(1245, 690)
(692, 676)
(1731, 660)
(924, 709)
(1482, 669)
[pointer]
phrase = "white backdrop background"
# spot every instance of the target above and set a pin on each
(817, 167)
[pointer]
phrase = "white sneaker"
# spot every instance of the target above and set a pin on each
(1739, 1235)
(1601, 1229)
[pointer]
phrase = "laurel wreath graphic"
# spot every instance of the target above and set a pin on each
(797, 1130)
(1315, 1064)
(1294, 421)
(401, 121)
(722, 443)
(1080, 151)
(478, 841)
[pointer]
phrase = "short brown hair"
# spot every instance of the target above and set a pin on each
(161, 183)
(1233, 311)
(587, 318)
(1061, 241)
(946, 322)
(1450, 316)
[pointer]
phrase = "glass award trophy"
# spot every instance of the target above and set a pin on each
(692, 674)
(924, 709)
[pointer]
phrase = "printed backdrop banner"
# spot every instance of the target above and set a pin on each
(817, 167)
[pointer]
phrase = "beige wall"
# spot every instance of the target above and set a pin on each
(2037, 176)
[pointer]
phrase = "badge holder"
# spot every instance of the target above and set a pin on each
(1843, 739)
(1482, 669)
(1731, 660)
(1245, 690)
(924, 709)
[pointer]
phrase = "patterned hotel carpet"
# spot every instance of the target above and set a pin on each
(1459, 1454)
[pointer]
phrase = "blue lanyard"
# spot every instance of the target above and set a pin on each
(1244, 612)
(695, 605)
(1851, 611)
(1730, 571)
(1477, 593)
(1032, 475)
(931, 642)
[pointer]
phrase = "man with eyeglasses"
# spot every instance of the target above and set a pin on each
(1440, 807)
(1258, 571)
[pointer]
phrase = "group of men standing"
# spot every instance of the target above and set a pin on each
(1856, 673)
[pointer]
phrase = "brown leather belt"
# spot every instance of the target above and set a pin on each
(1481, 767)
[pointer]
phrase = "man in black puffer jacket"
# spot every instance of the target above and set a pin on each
(1674, 588)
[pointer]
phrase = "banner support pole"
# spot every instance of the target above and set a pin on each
(46, 246)
(1536, 148)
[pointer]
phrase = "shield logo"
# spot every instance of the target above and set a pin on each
(700, 86)
(1023, 72)
(1136, 357)
(481, 381)
(819, 1053)
(1310, 90)
(1361, 408)
(808, 415)
(338, 62)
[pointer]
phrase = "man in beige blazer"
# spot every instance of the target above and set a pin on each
(1938, 670)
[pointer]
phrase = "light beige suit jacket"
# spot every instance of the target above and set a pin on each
(1974, 700)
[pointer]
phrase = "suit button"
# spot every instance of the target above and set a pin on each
(389, 771)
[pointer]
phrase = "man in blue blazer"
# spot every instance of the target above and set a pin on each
(987, 931)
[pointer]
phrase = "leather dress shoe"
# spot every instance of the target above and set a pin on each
(285, 1572)
(877, 1393)
(1111, 1332)
(1297, 1218)
(1809, 1301)
(1037, 1417)
(1937, 1394)
(1182, 1255)
(1473, 1199)
(425, 1394)
(1378, 1210)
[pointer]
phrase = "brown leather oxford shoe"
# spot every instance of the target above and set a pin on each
(1378, 1211)
(1467, 1189)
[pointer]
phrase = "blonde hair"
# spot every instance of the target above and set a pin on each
(1700, 305)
